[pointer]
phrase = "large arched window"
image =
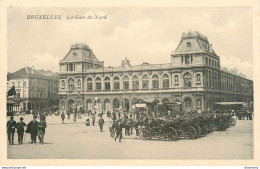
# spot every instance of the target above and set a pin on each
(126, 104)
(145, 82)
(89, 84)
(107, 106)
(98, 83)
(71, 84)
(116, 104)
(116, 83)
(166, 81)
(187, 103)
(107, 83)
(135, 81)
(187, 80)
(89, 105)
(155, 81)
(126, 83)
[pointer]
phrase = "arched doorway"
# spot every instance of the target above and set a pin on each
(126, 104)
(187, 106)
(107, 106)
(98, 104)
(70, 105)
(116, 104)
(89, 104)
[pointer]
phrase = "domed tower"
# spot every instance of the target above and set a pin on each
(194, 49)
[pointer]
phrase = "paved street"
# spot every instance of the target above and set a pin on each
(77, 141)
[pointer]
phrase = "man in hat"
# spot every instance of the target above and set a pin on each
(20, 130)
(119, 130)
(62, 117)
(101, 122)
(11, 124)
(33, 125)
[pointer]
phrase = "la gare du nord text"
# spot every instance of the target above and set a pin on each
(67, 17)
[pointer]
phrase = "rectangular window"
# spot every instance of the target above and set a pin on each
(165, 83)
(18, 84)
(98, 86)
(89, 86)
(155, 84)
(145, 84)
(126, 85)
(107, 85)
(135, 85)
(116, 86)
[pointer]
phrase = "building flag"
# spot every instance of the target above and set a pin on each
(11, 92)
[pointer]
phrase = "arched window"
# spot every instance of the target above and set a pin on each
(107, 83)
(79, 84)
(107, 106)
(116, 104)
(98, 104)
(126, 83)
(188, 44)
(62, 84)
(98, 83)
(89, 84)
(71, 84)
(166, 81)
(187, 103)
(176, 80)
(89, 105)
(145, 82)
(116, 83)
(198, 80)
(24, 84)
(135, 81)
(187, 80)
(155, 81)
(126, 104)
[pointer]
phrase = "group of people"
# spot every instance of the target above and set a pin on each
(34, 127)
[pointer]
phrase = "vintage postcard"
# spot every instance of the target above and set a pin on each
(130, 84)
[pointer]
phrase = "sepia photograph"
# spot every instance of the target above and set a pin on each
(158, 83)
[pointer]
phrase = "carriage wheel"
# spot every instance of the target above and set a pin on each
(145, 134)
(170, 134)
(232, 122)
(205, 129)
(198, 131)
(190, 132)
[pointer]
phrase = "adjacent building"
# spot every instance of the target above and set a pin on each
(194, 79)
(35, 89)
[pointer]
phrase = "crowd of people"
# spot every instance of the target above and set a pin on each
(34, 127)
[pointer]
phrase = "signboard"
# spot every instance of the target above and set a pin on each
(140, 105)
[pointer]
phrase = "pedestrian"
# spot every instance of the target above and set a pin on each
(62, 117)
(33, 129)
(20, 130)
(75, 115)
(118, 131)
(101, 122)
(41, 130)
(68, 114)
(11, 124)
(93, 119)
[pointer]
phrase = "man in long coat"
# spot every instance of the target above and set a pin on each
(33, 129)
(20, 130)
(11, 124)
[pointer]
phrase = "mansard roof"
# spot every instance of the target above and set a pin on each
(80, 52)
(194, 42)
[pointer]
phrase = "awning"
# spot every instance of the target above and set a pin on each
(173, 103)
(230, 103)
(10, 102)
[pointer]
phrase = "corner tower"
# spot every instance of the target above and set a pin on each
(194, 49)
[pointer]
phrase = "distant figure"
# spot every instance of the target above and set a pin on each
(101, 122)
(41, 130)
(11, 124)
(68, 114)
(93, 119)
(20, 130)
(118, 131)
(32, 128)
(62, 117)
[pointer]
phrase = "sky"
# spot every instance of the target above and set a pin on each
(140, 34)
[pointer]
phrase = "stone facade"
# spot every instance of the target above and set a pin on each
(194, 79)
(35, 89)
